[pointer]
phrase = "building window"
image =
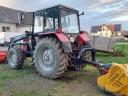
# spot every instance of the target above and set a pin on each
(118, 28)
(8, 28)
(106, 34)
(100, 29)
(5, 29)
(103, 29)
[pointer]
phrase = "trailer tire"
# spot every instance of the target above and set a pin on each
(15, 58)
(49, 58)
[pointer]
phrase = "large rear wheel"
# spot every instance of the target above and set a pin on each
(50, 60)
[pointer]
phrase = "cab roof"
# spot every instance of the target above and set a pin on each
(60, 7)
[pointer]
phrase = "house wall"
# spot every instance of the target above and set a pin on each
(104, 31)
(117, 34)
(14, 28)
(24, 28)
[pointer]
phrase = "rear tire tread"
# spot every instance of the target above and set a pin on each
(63, 58)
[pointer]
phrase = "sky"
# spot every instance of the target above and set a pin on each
(97, 12)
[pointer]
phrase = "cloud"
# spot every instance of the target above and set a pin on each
(120, 18)
(96, 11)
(106, 1)
(7, 2)
(107, 11)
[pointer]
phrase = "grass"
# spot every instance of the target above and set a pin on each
(109, 58)
(27, 82)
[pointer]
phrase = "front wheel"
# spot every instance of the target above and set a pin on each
(15, 58)
(50, 60)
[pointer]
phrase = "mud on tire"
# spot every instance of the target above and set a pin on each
(15, 58)
(50, 60)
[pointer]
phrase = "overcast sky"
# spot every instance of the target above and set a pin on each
(96, 11)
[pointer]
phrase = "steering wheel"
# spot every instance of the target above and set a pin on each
(49, 29)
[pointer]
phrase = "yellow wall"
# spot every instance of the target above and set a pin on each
(117, 34)
(104, 31)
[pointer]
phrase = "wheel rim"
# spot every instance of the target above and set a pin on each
(47, 59)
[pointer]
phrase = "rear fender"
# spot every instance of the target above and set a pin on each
(82, 38)
(62, 38)
(65, 42)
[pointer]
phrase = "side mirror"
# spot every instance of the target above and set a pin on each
(81, 14)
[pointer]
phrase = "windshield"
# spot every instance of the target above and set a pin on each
(69, 22)
(38, 26)
(46, 21)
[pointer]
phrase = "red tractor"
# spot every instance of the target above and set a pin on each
(55, 43)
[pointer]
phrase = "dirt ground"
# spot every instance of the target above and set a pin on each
(27, 82)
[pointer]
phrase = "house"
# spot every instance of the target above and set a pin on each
(125, 33)
(107, 30)
(10, 20)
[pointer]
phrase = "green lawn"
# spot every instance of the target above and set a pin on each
(27, 82)
(109, 58)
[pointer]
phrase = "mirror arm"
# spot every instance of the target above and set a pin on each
(81, 14)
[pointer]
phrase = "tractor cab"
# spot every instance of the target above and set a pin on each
(53, 18)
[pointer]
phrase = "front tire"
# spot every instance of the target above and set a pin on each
(15, 58)
(50, 60)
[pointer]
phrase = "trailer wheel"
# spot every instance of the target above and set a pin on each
(15, 58)
(50, 60)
